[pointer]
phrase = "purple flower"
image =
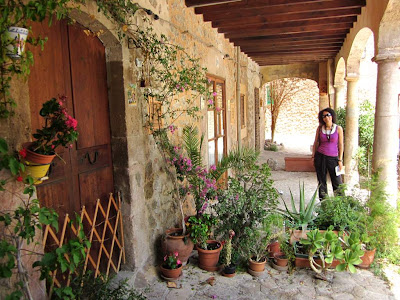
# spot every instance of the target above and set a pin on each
(213, 168)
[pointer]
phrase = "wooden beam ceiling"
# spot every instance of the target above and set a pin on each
(282, 31)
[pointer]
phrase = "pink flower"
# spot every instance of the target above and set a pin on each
(52, 146)
(209, 80)
(214, 94)
(71, 122)
(70, 145)
(178, 262)
(218, 109)
(210, 102)
(213, 168)
(60, 103)
(22, 152)
(176, 254)
(172, 128)
(165, 257)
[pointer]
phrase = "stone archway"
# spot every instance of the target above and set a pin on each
(340, 84)
(352, 110)
(386, 133)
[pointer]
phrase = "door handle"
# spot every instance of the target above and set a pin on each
(90, 160)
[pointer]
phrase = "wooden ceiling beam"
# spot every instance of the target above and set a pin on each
(259, 18)
(307, 51)
(285, 9)
(251, 4)
(261, 26)
(278, 43)
(207, 3)
(307, 36)
(290, 46)
(318, 29)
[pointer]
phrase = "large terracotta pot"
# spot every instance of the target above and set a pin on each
(173, 241)
(36, 158)
(257, 266)
(367, 259)
(208, 259)
(333, 265)
(301, 261)
(171, 273)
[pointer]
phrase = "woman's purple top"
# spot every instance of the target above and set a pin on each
(328, 142)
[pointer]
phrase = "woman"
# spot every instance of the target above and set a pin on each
(328, 151)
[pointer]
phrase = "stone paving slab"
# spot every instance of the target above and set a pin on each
(300, 285)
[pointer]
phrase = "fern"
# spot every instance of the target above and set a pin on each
(193, 144)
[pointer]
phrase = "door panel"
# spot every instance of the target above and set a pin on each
(73, 64)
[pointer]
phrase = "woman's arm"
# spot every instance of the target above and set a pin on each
(316, 142)
(340, 146)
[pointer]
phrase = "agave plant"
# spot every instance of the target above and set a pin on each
(305, 214)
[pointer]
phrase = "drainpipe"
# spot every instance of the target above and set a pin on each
(239, 124)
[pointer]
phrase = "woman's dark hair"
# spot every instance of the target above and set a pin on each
(329, 110)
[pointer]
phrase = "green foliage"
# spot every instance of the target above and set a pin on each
(171, 261)
(365, 135)
(253, 244)
(243, 206)
(101, 288)
(200, 228)
(9, 162)
(303, 216)
(59, 128)
(342, 212)
(272, 147)
(383, 221)
(327, 247)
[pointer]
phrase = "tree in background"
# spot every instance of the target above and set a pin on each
(279, 93)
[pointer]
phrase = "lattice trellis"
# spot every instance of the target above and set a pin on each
(105, 233)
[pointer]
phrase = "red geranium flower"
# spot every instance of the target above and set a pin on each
(19, 178)
(22, 153)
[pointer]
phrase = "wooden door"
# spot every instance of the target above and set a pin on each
(73, 64)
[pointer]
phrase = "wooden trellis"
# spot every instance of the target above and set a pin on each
(103, 230)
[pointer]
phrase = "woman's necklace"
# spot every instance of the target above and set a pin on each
(328, 134)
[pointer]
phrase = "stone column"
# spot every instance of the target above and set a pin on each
(339, 96)
(323, 100)
(351, 135)
(386, 133)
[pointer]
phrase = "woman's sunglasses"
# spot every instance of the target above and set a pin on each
(327, 115)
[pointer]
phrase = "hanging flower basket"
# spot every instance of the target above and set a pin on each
(18, 37)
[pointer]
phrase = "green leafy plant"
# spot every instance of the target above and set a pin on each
(305, 215)
(254, 244)
(342, 212)
(9, 162)
(200, 228)
(327, 247)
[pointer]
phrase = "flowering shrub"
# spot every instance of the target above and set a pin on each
(203, 186)
(59, 128)
(171, 261)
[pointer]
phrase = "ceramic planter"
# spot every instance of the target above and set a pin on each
(257, 266)
(367, 259)
(280, 259)
(37, 172)
(273, 248)
(18, 35)
(36, 158)
(173, 241)
(208, 259)
(171, 273)
(229, 271)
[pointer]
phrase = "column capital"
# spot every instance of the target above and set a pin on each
(338, 86)
(381, 58)
(352, 78)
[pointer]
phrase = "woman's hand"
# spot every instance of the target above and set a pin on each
(340, 165)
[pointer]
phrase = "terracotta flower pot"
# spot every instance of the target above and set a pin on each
(302, 262)
(208, 259)
(257, 266)
(229, 271)
(273, 248)
(280, 259)
(173, 241)
(36, 158)
(171, 273)
(367, 259)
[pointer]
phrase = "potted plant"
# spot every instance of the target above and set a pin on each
(368, 245)
(283, 259)
(171, 268)
(326, 246)
(301, 217)
(253, 247)
(60, 129)
(200, 229)
(230, 266)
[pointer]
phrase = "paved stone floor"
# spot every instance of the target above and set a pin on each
(273, 284)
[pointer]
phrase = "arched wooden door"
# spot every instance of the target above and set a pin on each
(73, 64)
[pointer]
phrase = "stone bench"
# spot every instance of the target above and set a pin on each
(299, 164)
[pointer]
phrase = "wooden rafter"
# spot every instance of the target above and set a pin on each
(200, 3)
